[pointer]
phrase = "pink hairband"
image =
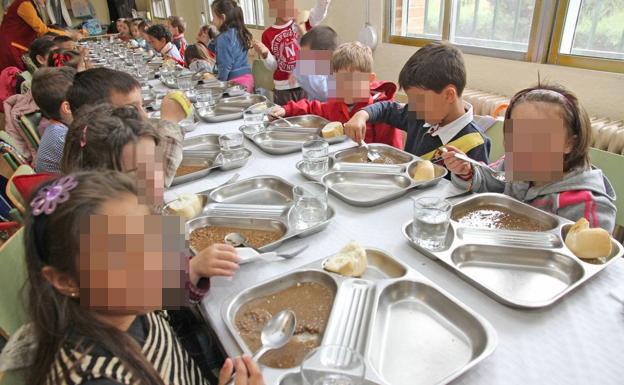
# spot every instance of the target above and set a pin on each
(83, 137)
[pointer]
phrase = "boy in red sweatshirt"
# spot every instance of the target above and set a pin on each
(279, 48)
(354, 88)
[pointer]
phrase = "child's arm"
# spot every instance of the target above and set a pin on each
(391, 113)
(267, 57)
(318, 13)
(467, 177)
(301, 107)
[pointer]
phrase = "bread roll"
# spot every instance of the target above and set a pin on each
(332, 130)
(350, 261)
(588, 243)
(187, 206)
(423, 171)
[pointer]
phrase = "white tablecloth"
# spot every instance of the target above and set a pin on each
(579, 340)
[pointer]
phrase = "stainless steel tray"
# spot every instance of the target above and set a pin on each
(408, 330)
(205, 150)
(259, 202)
(228, 109)
(368, 184)
(517, 268)
(279, 138)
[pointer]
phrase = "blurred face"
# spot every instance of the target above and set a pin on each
(171, 28)
(136, 33)
(430, 106)
(536, 142)
(217, 19)
(157, 44)
(351, 87)
(202, 36)
(133, 98)
(68, 45)
(314, 62)
(144, 161)
(123, 28)
(131, 262)
(284, 9)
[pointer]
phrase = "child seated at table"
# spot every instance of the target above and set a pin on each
(313, 67)
(137, 34)
(65, 42)
(103, 85)
(63, 58)
(49, 90)
(354, 88)
(99, 275)
(197, 58)
(159, 37)
(206, 36)
(547, 135)
(435, 115)
(177, 26)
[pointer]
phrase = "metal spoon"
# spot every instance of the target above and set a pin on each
(372, 157)
(283, 120)
(495, 173)
(238, 240)
(275, 334)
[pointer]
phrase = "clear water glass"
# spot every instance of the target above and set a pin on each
(185, 83)
(231, 146)
(333, 365)
(254, 121)
(142, 74)
(315, 156)
(205, 99)
(432, 217)
(310, 208)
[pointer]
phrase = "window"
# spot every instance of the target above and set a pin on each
(161, 8)
(586, 33)
(253, 11)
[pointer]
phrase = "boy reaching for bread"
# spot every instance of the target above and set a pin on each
(435, 116)
(353, 89)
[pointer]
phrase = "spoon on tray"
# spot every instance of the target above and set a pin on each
(372, 157)
(500, 175)
(275, 334)
(249, 254)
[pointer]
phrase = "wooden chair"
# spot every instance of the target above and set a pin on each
(14, 195)
(612, 165)
(263, 78)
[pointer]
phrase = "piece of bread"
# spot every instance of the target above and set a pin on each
(332, 130)
(587, 243)
(423, 171)
(187, 206)
(350, 261)
(209, 76)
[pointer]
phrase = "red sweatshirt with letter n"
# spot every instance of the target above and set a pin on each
(338, 111)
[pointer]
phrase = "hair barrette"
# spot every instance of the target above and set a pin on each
(83, 137)
(51, 196)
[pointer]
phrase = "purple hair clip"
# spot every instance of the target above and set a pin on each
(50, 196)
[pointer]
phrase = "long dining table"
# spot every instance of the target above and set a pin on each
(578, 340)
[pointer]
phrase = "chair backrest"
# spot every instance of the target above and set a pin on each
(13, 276)
(28, 123)
(12, 192)
(263, 77)
(612, 165)
(495, 133)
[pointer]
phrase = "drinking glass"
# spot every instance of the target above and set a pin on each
(315, 156)
(310, 206)
(333, 365)
(205, 98)
(142, 74)
(431, 221)
(185, 83)
(254, 121)
(231, 146)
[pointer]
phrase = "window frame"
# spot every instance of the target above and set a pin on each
(258, 13)
(167, 9)
(544, 40)
(578, 61)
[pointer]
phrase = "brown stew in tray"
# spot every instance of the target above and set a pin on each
(207, 236)
(496, 217)
(191, 168)
(311, 302)
(362, 157)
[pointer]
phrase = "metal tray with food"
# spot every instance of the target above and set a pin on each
(201, 155)
(280, 138)
(231, 108)
(259, 208)
(358, 182)
(514, 252)
(397, 320)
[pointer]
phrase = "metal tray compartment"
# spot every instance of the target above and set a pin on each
(371, 184)
(616, 249)
(255, 191)
(346, 156)
(303, 121)
(208, 142)
(393, 317)
(515, 275)
(212, 160)
(243, 223)
(420, 336)
(243, 101)
(232, 108)
(517, 268)
(364, 189)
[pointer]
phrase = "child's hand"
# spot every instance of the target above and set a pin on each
(260, 48)
(355, 128)
(247, 372)
(454, 165)
(217, 260)
(277, 112)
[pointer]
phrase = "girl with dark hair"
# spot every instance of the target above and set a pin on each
(232, 44)
(99, 271)
(198, 59)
